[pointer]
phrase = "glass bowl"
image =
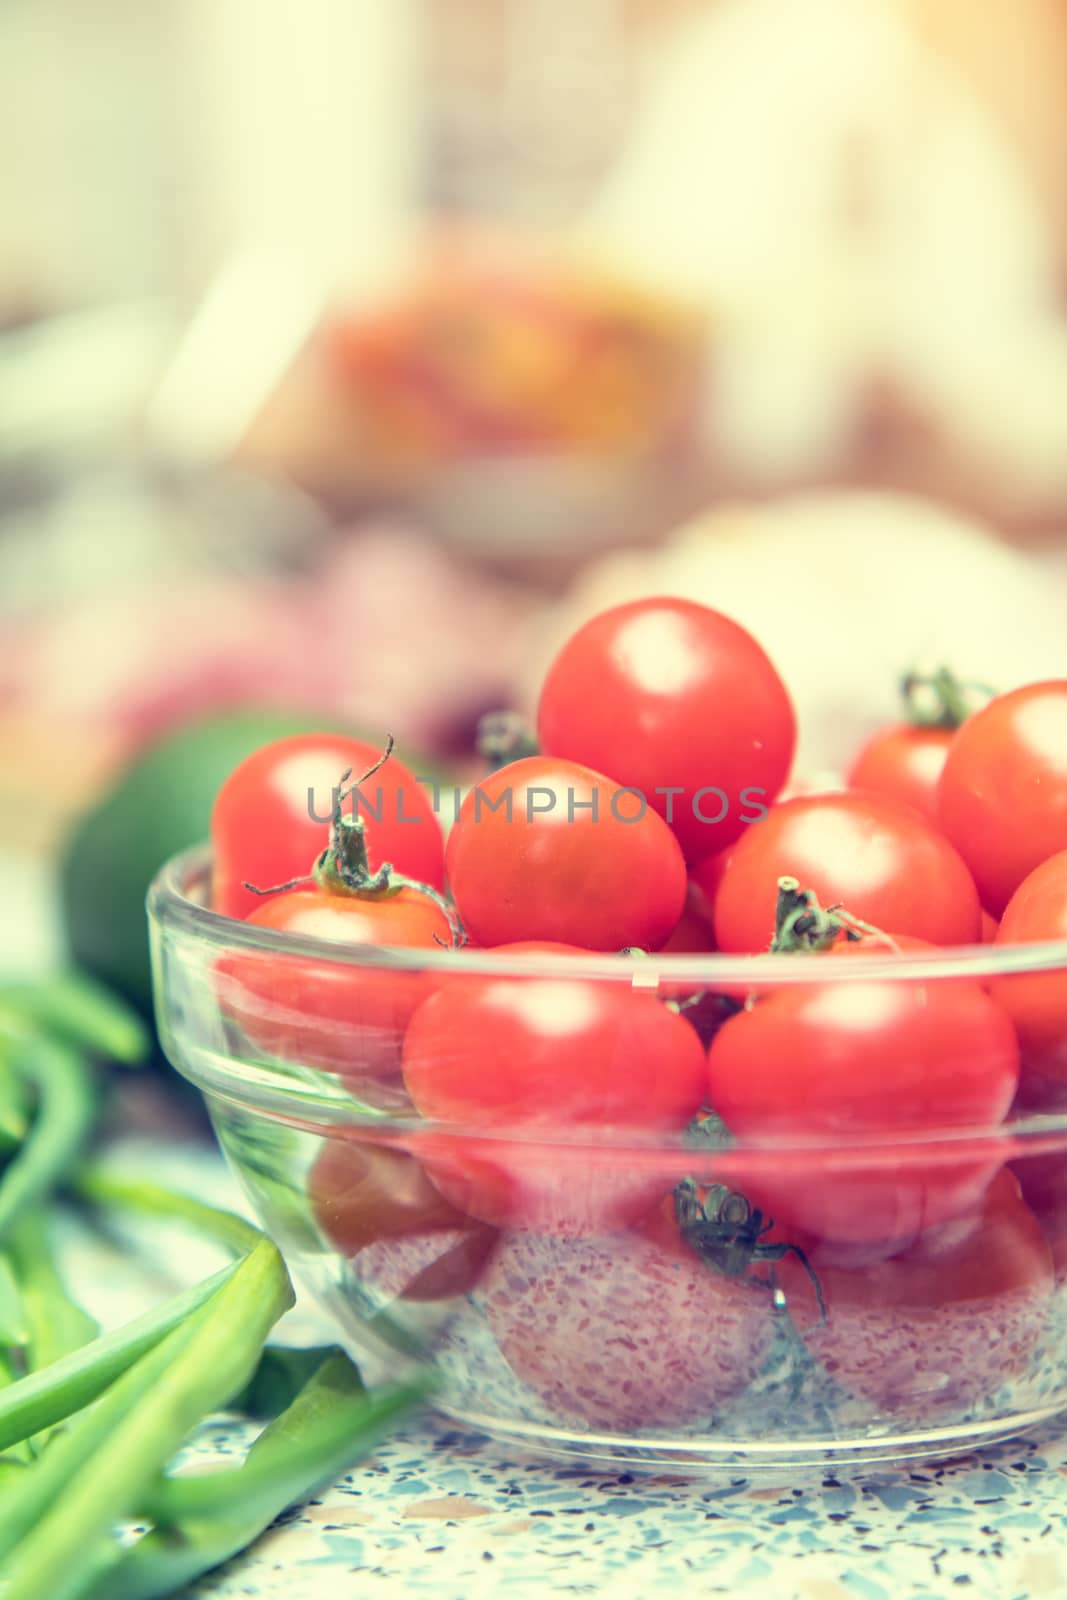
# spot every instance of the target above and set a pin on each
(667, 1296)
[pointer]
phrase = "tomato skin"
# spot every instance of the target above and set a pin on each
(883, 861)
(530, 1061)
(596, 881)
(904, 762)
(1037, 1003)
(856, 1059)
(616, 1332)
(262, 833)
(667, 693)
(1043, 1181)
(693, 933)
(1002, 799)
(341, 1018)
(380, 1210)
(944, 1323)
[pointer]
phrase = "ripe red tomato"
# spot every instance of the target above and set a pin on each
(378, 1208)
(525, 1064)
(840, 1063)
(904, 762)
(679, 702)
(616, 1332)
(263, 831)
(885, 863)
(1043, 1181)
(1037, 1002)
(1002, 799)
(693, 933)
(943, 1324)
(344, 1018)
(547, 849)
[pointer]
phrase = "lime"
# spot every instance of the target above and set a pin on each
(159, 805)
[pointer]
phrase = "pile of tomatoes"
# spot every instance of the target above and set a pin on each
(837, 1131)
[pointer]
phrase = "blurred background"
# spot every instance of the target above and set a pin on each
(351, 350)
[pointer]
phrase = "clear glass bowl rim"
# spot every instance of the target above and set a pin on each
(172, 908)
(170, 905)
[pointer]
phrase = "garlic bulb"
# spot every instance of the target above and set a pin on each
(846, 592)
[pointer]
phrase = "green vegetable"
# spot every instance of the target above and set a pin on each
(81, 1012)
(104, 1188)
(92, 1475)
(66, 1111)
(89, 1424)
(202, 1521)
(161, 804)
(60, 1390)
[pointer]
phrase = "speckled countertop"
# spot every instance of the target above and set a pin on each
(451, 1514)
(442, 1513)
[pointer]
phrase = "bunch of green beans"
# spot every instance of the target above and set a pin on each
(90, 1422)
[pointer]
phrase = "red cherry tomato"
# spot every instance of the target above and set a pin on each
(344, 1018)
(532, 1062)
(1037, 1002)
(547, 849)
(886, 864)
(679, 702)
(943, 1324)
(1043, 1181)
(904, 762)
(379, 1209)
(693, 934)
(989, 928)
(271, 817)
(617, 1332)
(838, 1062)
(1003, 794)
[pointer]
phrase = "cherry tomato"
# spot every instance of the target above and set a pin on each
(679, 702)
(531, 1062)
(547, 849)
(904, 762)
(847, 1060)
(1043, 1181)
(271, 817)
(943, 1324)
(1037, 1002)
(617, 1332)
(989, 928)
(344, 1018)
(378, 1208)
(693, 933)
(886, 864)
(1002, 799)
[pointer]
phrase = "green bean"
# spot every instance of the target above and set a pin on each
(82, 1012)
(92, 1475)
(281, 1374)
(55, 1325)
(204, 1520)
(109, 1190)
(21, 1450)
(65, 1115)
(14, 1113)
(43, 1398)
(13, 1329)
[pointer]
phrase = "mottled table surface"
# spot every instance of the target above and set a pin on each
(450, 1514)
